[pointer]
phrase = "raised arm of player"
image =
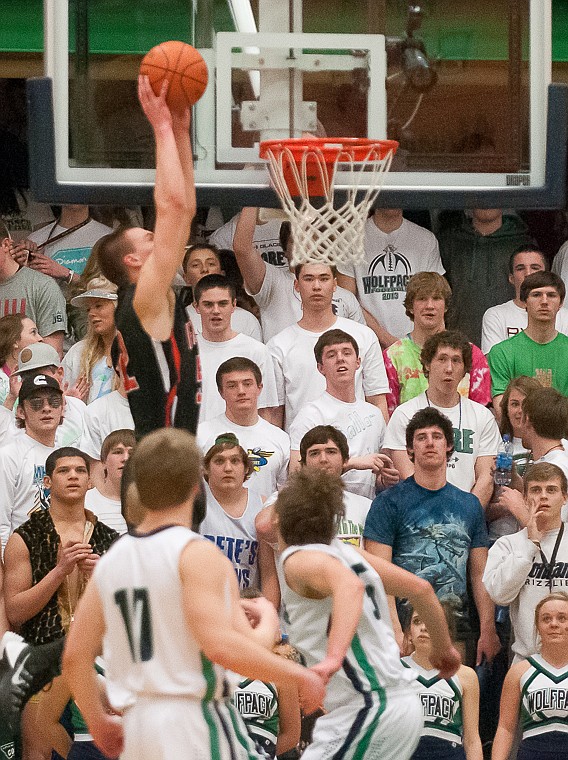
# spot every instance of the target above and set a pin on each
(248, 258)
(174, 197)
(210, 593)
(399, 582)
(316, 575)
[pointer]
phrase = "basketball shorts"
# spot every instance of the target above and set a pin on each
(377, 726)
(168, 728)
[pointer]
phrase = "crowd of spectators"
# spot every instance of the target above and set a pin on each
(400, 374)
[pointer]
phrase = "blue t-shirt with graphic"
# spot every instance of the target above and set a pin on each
(431, 534)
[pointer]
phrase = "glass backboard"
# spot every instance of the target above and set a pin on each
(464, 87)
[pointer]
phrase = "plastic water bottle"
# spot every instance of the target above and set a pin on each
(504, 463)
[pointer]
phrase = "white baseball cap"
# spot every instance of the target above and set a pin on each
(36, 356)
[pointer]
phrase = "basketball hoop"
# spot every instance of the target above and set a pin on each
(308, 168)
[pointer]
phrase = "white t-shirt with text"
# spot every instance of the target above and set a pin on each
(475, 435)
(390, 261)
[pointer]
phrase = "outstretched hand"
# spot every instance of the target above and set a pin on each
(447, 661)
(154, 106)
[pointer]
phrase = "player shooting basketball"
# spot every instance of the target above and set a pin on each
(156, 339)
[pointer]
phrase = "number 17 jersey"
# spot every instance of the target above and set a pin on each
(148, 649)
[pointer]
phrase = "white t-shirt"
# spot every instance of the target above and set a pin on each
(107, 510)
(352, 525)
(103, 416)
(390, 261)
(507, 319)
(22, 468)
(280, 304)
(100, 382)
(213, 353)
(363, 425)
(475, 435)
(242, 321)
(297, 378)
(266, 445)
(266, 240)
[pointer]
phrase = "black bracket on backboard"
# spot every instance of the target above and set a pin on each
(45, 186)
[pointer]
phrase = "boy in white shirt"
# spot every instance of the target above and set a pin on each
(215, 302)
(22, 461)
(297, 377)
(337, 357)
(239, 382)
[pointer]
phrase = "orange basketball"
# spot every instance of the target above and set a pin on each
(184, 68)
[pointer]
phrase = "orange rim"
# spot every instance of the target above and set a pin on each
(356, 147)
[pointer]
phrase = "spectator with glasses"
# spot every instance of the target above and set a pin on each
(22, 460)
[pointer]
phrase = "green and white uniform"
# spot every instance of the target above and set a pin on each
(441, 703)
(257, 703)
(544, 698)
(175, 701)
(371, 702)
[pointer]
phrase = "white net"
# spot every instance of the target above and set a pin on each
(323, 234)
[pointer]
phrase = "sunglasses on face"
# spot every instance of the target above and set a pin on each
(37, 403)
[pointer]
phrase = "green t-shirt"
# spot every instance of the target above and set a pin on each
(520, 355)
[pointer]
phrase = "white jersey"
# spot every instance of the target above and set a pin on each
(213, 353)
(507, 319)
(362, 424)
(372, 663)
(297, 378)
(267, 446)
(544, 698)
(475, 435)
(242, 321)
(390, 261)
(441, 703)
(147, 647)
(235, 536)
(280, 305)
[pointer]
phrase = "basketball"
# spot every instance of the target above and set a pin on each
(184, 68)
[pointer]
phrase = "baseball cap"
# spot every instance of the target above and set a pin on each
(37, 383)
(95, 293)
(36, 356)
